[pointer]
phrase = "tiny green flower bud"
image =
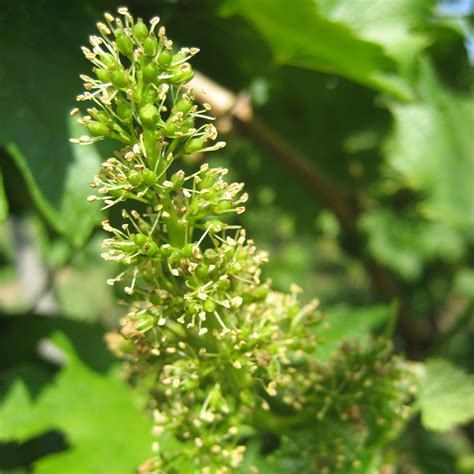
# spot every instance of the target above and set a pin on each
(223, 284)
(210, 254)
(233, 269)
(194, 207)
(127, 247)
(188, 250)
(187, 124)
(140, 30)
(207, 182)
(241, 255)
(166, 250)
(140, 239)
(223, 206)
(191, 307)
(194, 145)
(150, 248)
(150, 72)
(119, 78)
(183, 105)
(182, 75)
(214, 226)
(149, 116)
(178, 179)
(108, 59)
(178, 57)
(98, 129)
(124, 111)
(164, 58)
(209, 306)
(99, 115)
(149, 177)
(145, 322)
(103, 75)
(175, 256)
(202, 272)
(210, 194)
(150, 46)
(135, 178)
(170, 128)
(117, 192)
(124, 44)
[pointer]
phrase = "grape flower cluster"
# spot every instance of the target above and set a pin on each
(223, 358)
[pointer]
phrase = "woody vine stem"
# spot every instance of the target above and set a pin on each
(224, 359)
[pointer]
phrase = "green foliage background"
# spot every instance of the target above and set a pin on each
(376, 95)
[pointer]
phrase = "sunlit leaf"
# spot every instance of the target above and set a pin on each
(446, 395)
(389, 23)
(432, 151)
(97, 414)
(302, 36)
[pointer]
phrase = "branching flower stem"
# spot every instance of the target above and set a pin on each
(222, 357)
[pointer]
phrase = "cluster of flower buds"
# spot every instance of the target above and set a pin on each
(222, 356)
(357, 401)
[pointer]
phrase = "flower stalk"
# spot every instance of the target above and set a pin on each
(223, 358)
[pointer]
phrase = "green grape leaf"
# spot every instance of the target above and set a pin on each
(389, 23)
(346, 323)
(39, 75)
(446, 395)
(432, 151)
(88, 271)
(302, 36)
(404, 243)
(101, 421)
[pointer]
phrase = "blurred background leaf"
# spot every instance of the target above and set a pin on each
(432, 151)
(351, 323)
(39, 77)
(301, 36)
(101, 422)
(446, 395)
